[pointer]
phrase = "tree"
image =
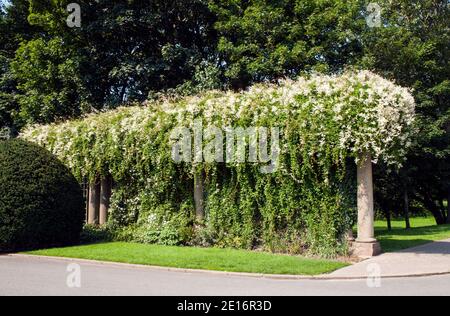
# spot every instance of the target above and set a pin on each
(14, 29)
(48, 76)
(5, 105)
(129, 49)
(413, 48)
(264, 40)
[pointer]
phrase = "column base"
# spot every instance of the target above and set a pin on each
(366, 249)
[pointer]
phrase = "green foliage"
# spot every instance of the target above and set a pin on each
(124, 52)
(94, 234)
(47, 77)
(307, 205)
(131, 49)
(41, 203)
(265, 40)
(413, 48)
(157, 224)
(14, 29)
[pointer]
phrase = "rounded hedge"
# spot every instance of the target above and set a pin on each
(41, 203)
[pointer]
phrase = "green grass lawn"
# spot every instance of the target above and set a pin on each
(424, 230)
(196, 258)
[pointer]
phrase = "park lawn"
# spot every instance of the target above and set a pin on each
(424, 230)
(196, 258)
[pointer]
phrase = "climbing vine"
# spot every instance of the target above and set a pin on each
(307, 205)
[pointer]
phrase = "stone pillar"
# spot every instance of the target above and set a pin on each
(94, 203)
(366, 245)
(105, 197)
(198, 195)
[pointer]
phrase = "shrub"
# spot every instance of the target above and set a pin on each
(92, 234)
(41, 203)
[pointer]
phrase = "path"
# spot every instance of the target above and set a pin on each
(432, 258)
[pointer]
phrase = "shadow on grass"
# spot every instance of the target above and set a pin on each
(437, 248)
(394, 245)
(401, 239)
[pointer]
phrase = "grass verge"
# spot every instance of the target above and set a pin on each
(196, 258)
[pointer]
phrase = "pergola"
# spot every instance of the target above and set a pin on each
(374, 126)
(365, 245)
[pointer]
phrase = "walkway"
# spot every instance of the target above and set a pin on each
(429, 259)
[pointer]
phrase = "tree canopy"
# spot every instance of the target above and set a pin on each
(264, 40)
(413, 48)
(124, 51)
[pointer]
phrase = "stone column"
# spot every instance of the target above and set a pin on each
(94, 203)
(198, 196)
(105, 196)
(366, 245)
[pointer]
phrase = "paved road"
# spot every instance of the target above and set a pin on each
(36, 276)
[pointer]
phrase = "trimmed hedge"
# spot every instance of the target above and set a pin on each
(41, 203)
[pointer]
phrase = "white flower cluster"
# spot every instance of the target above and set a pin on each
(346, 114)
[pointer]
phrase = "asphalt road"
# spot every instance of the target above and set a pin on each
(35, 276)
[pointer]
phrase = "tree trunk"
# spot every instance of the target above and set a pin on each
(431, 206)
(440, 220)
(389, 221)
(407, 221)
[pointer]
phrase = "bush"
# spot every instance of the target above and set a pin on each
(41, 203)
(92, 234)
